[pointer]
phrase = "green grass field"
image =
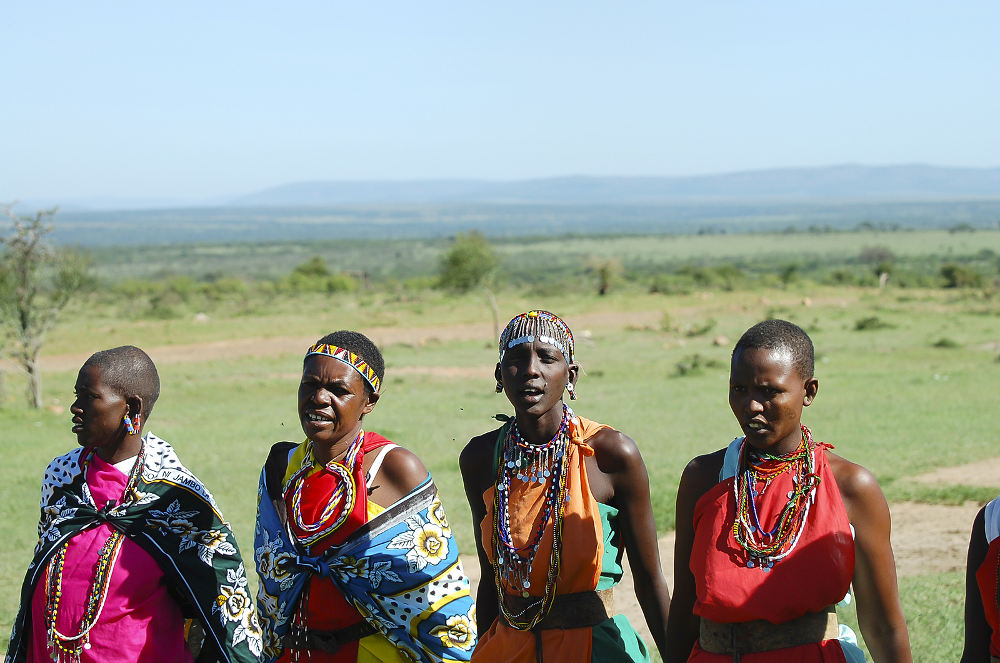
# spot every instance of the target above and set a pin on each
(892, 396)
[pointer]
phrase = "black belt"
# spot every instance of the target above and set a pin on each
(575, 610)
(327, 641)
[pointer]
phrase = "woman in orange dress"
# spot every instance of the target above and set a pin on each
(773, 530)
(556, 499)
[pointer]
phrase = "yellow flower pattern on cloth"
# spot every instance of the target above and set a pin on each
(436, 515)
(459, 631)
(425, 543)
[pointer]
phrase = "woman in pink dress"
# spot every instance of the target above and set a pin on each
(132, 548)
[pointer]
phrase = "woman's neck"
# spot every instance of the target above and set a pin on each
(539, 430)
(128, 447)
(325, 453)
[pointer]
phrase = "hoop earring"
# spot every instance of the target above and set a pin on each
(499, 388)
(572, 391)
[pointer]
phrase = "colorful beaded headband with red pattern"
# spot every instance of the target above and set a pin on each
(349, 358)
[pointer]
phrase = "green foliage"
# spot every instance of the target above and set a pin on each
(870, 323)
(469, 263)
(608, 272)
(960, 276)
(696, 364)
(37, 281)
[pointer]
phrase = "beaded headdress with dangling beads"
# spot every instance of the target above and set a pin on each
(544, 326)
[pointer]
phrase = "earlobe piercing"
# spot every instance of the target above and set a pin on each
(572, 391)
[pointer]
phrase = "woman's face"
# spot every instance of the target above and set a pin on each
(534, 376)
(333, 397)
(98, 411)
(767, 394)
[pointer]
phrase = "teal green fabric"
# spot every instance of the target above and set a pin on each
(614, 638)
(611, 563)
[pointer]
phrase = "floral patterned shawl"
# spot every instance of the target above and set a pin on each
(174, 518)
(401, 570)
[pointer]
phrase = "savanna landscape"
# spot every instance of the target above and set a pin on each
(906, 325)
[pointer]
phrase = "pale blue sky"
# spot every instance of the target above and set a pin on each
(201, 99)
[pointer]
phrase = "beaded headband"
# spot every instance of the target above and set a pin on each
(349, 358)
(542, 325)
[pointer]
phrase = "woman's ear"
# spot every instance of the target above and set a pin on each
(134, 404)
(372, 400)
(811, 387)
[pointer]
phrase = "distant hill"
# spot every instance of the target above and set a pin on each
(833, 183)
(785, 200)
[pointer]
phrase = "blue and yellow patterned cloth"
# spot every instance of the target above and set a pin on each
(401, 570)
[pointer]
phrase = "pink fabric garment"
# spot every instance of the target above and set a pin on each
(140, 622)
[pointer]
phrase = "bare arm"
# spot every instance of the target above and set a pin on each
(477, 475)
(977, 631)
(619, 457)
(683, 625)
(880, 613)
(401, 472)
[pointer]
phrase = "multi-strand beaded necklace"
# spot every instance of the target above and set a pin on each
(69, 648)
(541, 464)
(765, 547)
(341, 502)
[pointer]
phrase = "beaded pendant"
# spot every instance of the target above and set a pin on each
(64, 648)
(546, 465)
(765, 547)
(341, 501)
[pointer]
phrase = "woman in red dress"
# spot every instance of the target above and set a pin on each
(982, 588)
(773, 530)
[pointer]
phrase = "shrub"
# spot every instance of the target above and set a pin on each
(870, 323)
(959, 276)
(695, 365)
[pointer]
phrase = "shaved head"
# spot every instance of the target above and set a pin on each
(130, 372)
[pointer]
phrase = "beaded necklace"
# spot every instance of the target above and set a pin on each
(341, 499)
(542, 464)
(69, 648)
(767, 547)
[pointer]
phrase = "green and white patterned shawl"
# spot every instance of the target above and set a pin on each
(174, 518)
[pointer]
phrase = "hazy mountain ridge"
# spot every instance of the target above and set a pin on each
(846, 182)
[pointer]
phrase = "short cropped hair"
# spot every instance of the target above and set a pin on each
(130, 372)
(360, 345)
(777, 334)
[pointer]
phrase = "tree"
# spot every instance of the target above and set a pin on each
(608, 272)
(37, 281)
(471, 263)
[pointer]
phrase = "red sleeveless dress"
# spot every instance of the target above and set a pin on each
(815, 575)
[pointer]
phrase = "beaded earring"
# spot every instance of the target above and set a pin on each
(499, 388)
(572, 391)
(131, 428)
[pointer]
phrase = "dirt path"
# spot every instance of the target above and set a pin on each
(273, 346)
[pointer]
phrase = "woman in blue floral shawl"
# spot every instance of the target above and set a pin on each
(355, 555)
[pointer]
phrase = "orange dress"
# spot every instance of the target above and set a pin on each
(591, 556)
